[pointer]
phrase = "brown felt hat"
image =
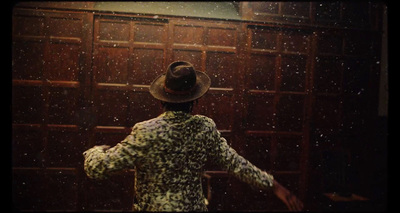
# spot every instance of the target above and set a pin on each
(181, 83)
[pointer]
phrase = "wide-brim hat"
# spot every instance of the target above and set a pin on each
(181, 83)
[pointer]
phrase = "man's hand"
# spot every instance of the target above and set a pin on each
(291, 201)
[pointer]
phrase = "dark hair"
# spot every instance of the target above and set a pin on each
(184, 107)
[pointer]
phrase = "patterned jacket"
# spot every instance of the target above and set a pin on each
(169, 153)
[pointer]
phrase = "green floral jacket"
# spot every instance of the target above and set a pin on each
(169, 153)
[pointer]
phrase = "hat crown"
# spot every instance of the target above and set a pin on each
(181, 83)
(180, 77)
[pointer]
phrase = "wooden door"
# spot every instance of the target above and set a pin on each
(342, 104)
(277, 98)
(50, 63)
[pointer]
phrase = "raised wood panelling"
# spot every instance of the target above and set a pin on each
(50, 72)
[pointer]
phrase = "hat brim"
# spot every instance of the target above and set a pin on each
(203, 83)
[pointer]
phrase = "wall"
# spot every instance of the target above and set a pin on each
(290, 82)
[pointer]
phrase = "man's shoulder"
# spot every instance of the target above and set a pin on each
(206, 120)
(158, 122)
(151, 123)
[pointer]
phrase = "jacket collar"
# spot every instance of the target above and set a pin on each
(176, 115)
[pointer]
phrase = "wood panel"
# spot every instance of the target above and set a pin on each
(211, 48)
(340, 100)
(113, 194)
(125, 63)
(49, 76)
(27, 146)
(331, 14)
(276, 100)
(277, 11)
(29, 189)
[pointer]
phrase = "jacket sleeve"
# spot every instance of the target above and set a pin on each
(228, 159)
(99, 163)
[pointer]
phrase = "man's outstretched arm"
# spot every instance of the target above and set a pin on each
(226, 157)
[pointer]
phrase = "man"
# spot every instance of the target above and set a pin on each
(169, 151)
